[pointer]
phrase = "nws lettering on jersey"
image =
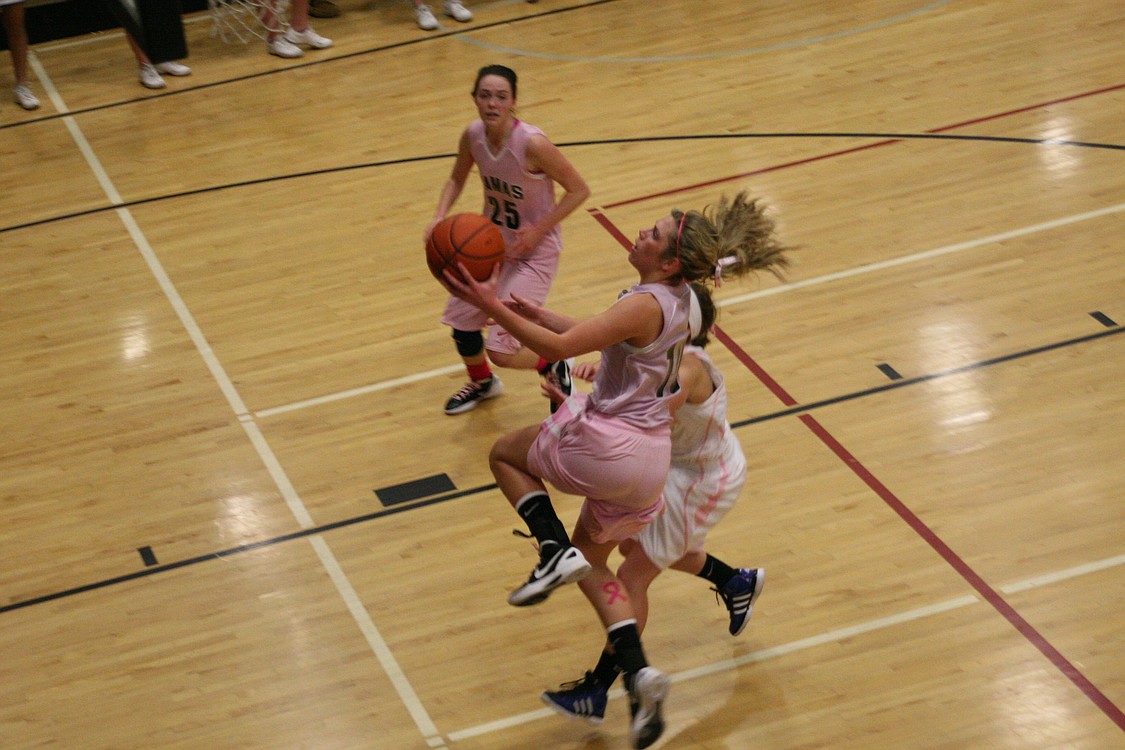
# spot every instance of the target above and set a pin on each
(499, 186)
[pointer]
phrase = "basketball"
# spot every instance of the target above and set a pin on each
(465, 238)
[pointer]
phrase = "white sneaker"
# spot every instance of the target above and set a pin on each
(24, 97)
(426, 20)
(561, 566)
(307, 37)
(455, 10)
(282, 47)
(647, 694)
(173, 68)
(150, 79)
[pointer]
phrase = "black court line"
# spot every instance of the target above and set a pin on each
(489, 487)
(889, 138)
(430, 37)
(241, 548)
(927, 378)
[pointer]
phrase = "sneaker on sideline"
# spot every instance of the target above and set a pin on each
(308, 37)
(558, 567)
(472, 393)
(150, 79)
(582, 699)
(173, 68)
(282, 47)
(647, 693)
(740, 593)
(458, 12)
(425, 16)
(23, 96)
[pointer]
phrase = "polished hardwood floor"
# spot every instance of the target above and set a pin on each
(222, 354)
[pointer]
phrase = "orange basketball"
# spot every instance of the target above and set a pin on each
(465, 238)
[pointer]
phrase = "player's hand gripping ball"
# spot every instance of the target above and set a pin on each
(470, 239)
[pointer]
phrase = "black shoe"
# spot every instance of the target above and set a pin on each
(559, 374)
(472, 394)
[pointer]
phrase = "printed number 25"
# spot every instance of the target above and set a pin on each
(511, 217)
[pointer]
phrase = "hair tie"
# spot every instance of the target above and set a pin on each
(720, 264)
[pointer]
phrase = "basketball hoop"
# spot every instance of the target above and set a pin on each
(240, 20)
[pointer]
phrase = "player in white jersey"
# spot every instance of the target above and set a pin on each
(705, 479)
(616, 448)
(518, 168)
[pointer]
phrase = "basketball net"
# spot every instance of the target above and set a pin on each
(240, 20)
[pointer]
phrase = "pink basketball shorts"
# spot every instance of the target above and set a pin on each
(530, 278)
(619, 469)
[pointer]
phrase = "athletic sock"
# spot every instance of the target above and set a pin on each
(716, 571)
(536, 510)
(480, 373)
(627, 651)
(605, 673)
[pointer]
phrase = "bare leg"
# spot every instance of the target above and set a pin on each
(508, 461)
(299, 15)
(637, 572)
(139, 53)
(524, 359)
(691, 563)
(17, 40)
(605, 590)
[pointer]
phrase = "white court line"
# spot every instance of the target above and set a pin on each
(1062, 575)
(788, 287)
(729, 664)
(269, 459)
(382, 386)
(832, 636)
(926, 255)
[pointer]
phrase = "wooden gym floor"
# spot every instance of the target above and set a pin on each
(221, 353)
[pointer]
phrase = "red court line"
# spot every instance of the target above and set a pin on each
(610, 227)
(845, 152)
(954, 560)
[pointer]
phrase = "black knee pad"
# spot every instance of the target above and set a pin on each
(469, 343)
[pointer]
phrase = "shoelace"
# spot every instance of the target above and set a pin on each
(574, 684)
(468, 389)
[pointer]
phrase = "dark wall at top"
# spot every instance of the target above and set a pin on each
(77, 17)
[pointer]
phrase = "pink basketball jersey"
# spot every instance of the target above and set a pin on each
(632, 384)
(514, 197)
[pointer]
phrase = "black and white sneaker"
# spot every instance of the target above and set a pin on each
(472, 394)
(647, 693)
(559, 374)
(555, 568)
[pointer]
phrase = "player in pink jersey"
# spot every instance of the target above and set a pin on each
(518, 168)
(706, 477)
(615, 449)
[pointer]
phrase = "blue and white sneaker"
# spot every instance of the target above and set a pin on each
(739, 595)
(647, 692)
(581, 699)
(565, 565)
